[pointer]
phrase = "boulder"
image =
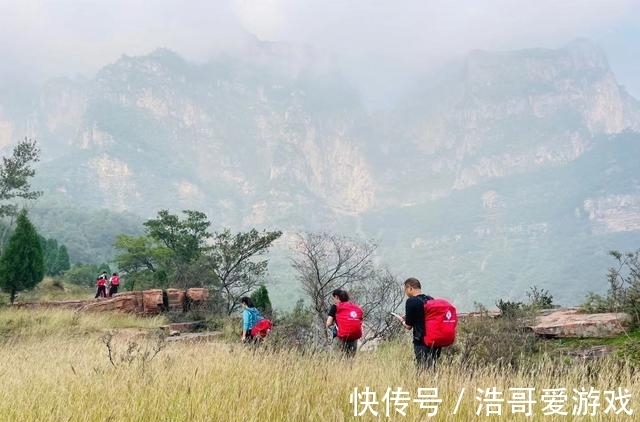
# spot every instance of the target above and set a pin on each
(123, 302)
(175, 299)
(562, 323)
(127, 301)
(198, 295)
(152, 302)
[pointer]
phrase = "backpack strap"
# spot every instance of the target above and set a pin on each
(425, 298)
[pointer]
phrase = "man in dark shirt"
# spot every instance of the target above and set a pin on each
(426, 356)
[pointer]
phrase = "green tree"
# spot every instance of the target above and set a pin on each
(49, 254)
(103, 268)
(169, 254)
(178, 252)
(180, 246)
(55, 258)
(232, 262)
(21, 264)
(62, 262)
(260, 299)
(141, 259)
(15, 174)
(82, 274)
(186, 239)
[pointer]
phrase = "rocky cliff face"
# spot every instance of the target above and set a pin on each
(156, 124)
(257, 142)
(508, 113)
(613, 213)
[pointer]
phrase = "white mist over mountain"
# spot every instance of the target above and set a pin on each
(381, 44)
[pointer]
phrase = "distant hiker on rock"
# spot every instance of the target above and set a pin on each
(114, 283)
(101, 284)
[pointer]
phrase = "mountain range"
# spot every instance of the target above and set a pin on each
(502, 171)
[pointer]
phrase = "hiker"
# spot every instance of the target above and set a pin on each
(250, 317)
(346, 318)
(426, 356)
(114, 282)
(101, 285)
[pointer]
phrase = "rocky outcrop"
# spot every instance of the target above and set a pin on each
(151, 302)
(123, 302)
(146, 302)
(571, 323)
(567, 323)
(175, 299)
(197, 295)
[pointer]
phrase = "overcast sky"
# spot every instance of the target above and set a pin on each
(69, 37)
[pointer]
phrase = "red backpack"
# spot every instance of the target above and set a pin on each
(349, 321)
(440, 322)
(262, 328)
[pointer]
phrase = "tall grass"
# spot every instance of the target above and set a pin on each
(55, 377)
(55, 289)
(42, 323)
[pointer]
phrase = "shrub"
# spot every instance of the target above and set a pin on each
(539, 298)
(624, 288)
(82, 275)
(502, 342)
(510, 309)
(595, 303)
(624, 283)
(295, 329)
(260, 299)
(629, 352)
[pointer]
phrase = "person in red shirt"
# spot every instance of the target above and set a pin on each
(101, 283)
(114, 283)
(346, 316)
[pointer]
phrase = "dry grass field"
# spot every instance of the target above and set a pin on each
(56, 367)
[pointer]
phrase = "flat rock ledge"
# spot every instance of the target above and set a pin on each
(145, 302)
(570, 323)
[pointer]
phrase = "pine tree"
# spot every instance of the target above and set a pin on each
(62, 264)
(21, 264)
(49, 255)
(260, 299)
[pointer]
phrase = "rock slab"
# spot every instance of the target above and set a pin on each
(570, 323)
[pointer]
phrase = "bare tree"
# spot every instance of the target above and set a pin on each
(325, 262)
(378, 297)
